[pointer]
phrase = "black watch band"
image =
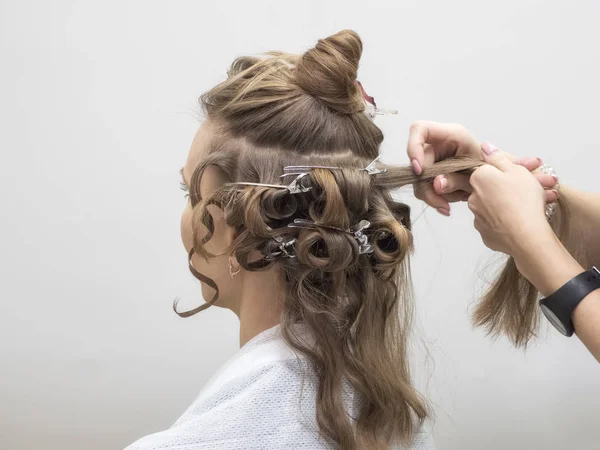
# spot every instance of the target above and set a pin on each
(558, 307)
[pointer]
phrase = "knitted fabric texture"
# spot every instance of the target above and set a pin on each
(264, 397)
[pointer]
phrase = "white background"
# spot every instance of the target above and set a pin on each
(97, 111)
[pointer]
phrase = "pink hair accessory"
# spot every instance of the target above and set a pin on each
(371, 109)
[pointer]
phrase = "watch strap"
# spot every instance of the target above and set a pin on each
(564, 301)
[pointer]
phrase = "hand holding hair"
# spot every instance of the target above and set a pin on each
(508, 205)
(431, 142)
(509, 306)
(505, 224)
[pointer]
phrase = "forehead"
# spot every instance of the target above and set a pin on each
(199, 149)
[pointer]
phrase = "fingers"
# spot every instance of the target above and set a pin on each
(446, 184)
(481, 174)
(444, 190)
(551, 196)
(529, 163)
(445, 136)
(458, 196)
(547, 181)
(418, 136)
(500, 160)
(425, 192)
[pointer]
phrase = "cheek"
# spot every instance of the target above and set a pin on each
(216, 268)
(188, 229)
(218, 241)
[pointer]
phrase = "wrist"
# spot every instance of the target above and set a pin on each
(545, 262)
(529, 243)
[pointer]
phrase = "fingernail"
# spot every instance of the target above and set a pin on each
(416, 167)
(540, 162)
(556, 192)
(443, 184)
(444, 211)
(488, 148)
(555, 179)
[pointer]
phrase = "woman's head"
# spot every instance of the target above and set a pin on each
(274, 110)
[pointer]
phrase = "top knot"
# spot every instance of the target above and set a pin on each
(328, 72)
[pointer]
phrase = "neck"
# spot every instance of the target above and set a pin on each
(260, 304)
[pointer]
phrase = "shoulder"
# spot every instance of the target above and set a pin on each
(424, 438)
(271, 406)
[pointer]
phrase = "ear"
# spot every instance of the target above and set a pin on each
(212, 179)
(229, 235)
(234, 266)
(234, 263)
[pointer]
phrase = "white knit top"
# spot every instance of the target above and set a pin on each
(257, 400)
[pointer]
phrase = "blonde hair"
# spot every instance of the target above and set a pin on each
(307, 109)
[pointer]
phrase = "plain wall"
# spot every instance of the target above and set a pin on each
(98, 106)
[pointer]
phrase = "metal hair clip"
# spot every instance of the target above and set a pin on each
(295, 187)
(372, 170)
(283, 249)
(364, 246)
(296, 170)
(363, 240)
(289, 168)
(309, 224)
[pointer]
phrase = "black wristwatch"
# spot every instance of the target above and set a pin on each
(558, 307)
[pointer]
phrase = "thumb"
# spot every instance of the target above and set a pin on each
(500, 160)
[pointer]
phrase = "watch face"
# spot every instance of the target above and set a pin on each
(554, 320)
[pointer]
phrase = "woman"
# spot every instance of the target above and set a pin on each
(291, 225)
(508, 205)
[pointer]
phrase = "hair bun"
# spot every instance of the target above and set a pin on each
(328, 72)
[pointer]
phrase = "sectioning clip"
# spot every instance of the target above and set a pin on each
(364, 246)
(286, 249)
(296, 170)
(295, 187)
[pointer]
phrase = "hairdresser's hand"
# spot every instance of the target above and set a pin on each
(508, 203)
(429, 142)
